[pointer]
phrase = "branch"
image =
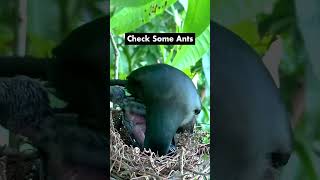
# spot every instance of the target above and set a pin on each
(21, 31)
(116, 57)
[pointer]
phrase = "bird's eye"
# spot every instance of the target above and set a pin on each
(197, 111)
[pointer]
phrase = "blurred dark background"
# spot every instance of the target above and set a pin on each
(34, 28)
(286, 32)
(47, 22)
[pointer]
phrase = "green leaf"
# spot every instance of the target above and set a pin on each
(40, 46)
(248, 31)
(169, 57)
(206, 113)
(198, 16)
(163, 51)
(306, 156)
(206, 67)
(129, 3)
(6, 40)
(228, 12)
(130, 18)
(188, 55)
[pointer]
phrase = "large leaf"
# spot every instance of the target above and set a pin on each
(130, 18)
(188, 55)
(198, 16)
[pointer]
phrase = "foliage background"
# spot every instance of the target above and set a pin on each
(296, 22)
(48, 23)
(165, 16)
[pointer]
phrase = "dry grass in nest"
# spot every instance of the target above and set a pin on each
(190, 161)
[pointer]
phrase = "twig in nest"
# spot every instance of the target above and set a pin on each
(196, 172)
(154, 175)
(116, 177)
(181, 160)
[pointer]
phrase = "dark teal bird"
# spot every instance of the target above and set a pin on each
(171, 102)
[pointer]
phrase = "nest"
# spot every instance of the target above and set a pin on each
(18, 168)
(191, 159)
